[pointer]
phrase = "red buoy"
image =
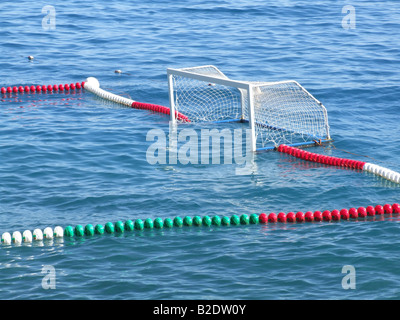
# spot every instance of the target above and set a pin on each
(309, 216)
(387, 208)
(396, 207)
(344, 214)
(272, 217)
(326, 215)
(291, 217)
(317, 216)
(300, 216)
(21, 89)
(27, 89)
(379, 210)
(353, 213)
(370, 210)
(281, 217)
(33, 89)
(335, 215)
(362, 212)
(9, 89)
(15, 89)
(3, 90)
(263, 218)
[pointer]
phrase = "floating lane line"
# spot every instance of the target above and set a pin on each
(120, 227)
(92, 85)
(341, 162)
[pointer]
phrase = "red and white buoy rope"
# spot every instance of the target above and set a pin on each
(341, 162)
(92, 84)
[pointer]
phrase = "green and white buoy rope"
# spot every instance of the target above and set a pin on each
(120, 227)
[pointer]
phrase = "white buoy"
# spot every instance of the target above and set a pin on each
(93, 82)
(27, 236)
(37, 234)
(16, 237)
(6, 238)
(58, 232)
(31, 58)
(48, 233)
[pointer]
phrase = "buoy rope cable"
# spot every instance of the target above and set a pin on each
(92, 85)
(41, 88)
(120, 227)
(365, 156)
(341, 162)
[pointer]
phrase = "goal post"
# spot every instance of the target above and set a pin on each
(277, 112)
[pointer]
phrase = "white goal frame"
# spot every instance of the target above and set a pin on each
(246, 89)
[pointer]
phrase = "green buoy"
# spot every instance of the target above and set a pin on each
(129, 226)
(119, 227)
(109, 227)
(244, 219)
(148, 223)
(168, 223)
(197, 221)
(225, 221)
(187, 221)
(235, 220)
(89, 230)
(206, 221)
(99, 229)
(139, 225)
(158, 223)
(79, 230)
(69, 231)
(253, 218)
(178, 222)
(216, 221)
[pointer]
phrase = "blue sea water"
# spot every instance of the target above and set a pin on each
(68, 160)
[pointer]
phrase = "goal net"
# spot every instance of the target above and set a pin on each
(277, 112)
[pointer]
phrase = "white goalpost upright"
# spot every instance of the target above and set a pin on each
(277, 112)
